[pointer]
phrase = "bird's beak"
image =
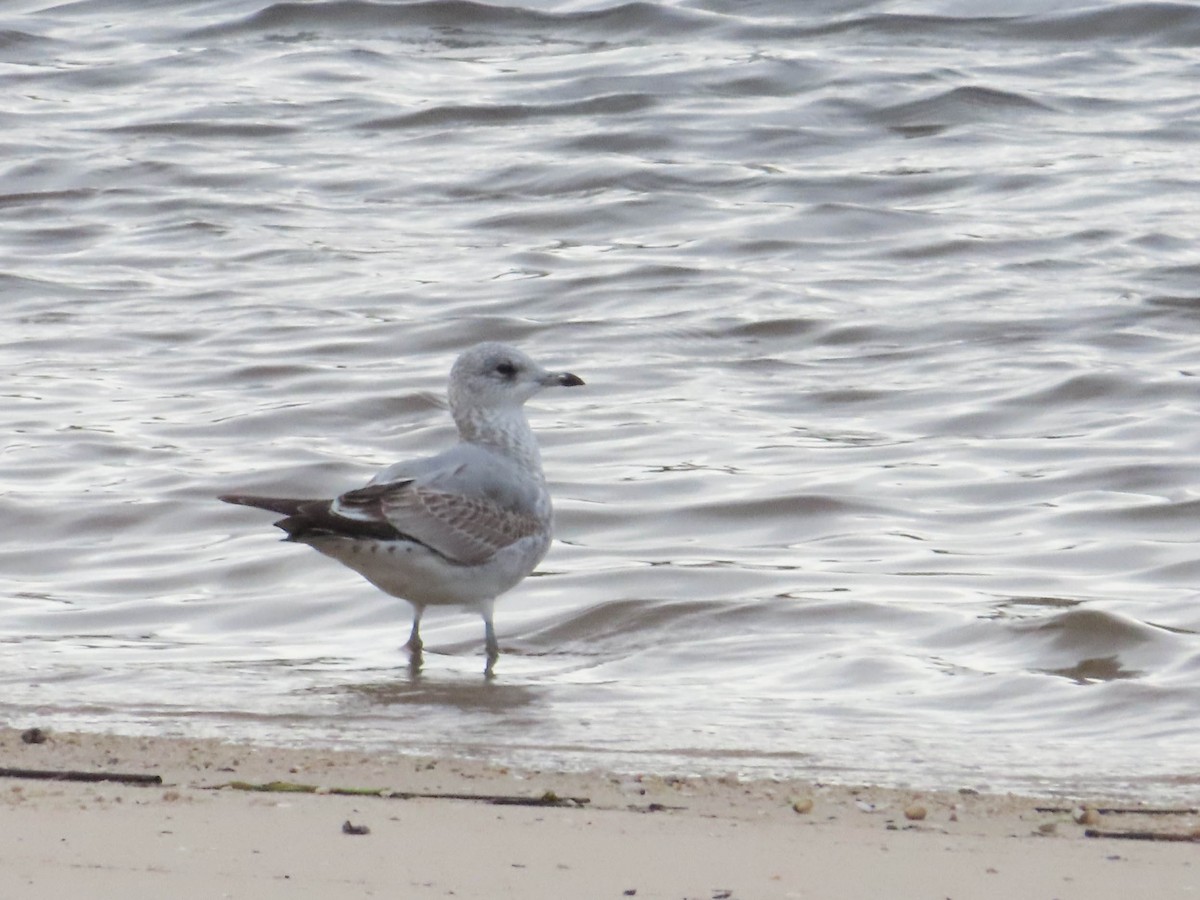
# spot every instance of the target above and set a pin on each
(561, 379)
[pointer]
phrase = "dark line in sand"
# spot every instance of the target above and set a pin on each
(75, 775)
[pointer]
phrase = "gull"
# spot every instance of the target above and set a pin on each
(459, 528)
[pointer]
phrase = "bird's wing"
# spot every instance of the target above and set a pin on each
(466, 529)
(464, 504)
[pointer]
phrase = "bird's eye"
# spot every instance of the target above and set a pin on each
(506, 369)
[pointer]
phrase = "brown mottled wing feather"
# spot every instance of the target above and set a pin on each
(467, 530)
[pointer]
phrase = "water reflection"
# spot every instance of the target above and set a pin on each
(468, 694)
(1094, 669)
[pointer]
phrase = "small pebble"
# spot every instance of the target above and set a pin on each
(349, 828)
(803, 805)
(1086, 815)
(34, 736)
(915, 813)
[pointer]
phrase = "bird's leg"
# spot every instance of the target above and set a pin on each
(415, 657)
(414, 644)
(493, 646)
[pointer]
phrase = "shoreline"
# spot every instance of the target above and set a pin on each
(438, 827)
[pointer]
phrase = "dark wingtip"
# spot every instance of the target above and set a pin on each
(243, 500)
(285, 505)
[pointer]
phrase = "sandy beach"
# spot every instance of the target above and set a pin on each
(344, 824)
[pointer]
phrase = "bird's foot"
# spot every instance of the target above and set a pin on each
(489, 669)
(416, 655)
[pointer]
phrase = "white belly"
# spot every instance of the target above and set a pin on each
(412, 572)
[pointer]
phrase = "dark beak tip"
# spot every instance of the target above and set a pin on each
(569, 380)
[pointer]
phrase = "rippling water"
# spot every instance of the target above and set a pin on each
(886, 466)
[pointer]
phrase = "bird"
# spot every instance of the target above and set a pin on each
(459, 528)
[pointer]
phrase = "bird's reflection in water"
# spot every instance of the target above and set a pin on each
(446, 689)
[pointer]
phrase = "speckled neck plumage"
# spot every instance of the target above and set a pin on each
(505, 431)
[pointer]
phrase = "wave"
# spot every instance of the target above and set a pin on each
(358, 15)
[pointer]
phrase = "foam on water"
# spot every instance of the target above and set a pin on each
(886, 464)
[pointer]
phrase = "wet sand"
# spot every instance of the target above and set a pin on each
(467, 829)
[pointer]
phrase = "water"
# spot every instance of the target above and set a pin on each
(886, 464)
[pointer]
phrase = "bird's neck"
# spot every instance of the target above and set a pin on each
(504, 431)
